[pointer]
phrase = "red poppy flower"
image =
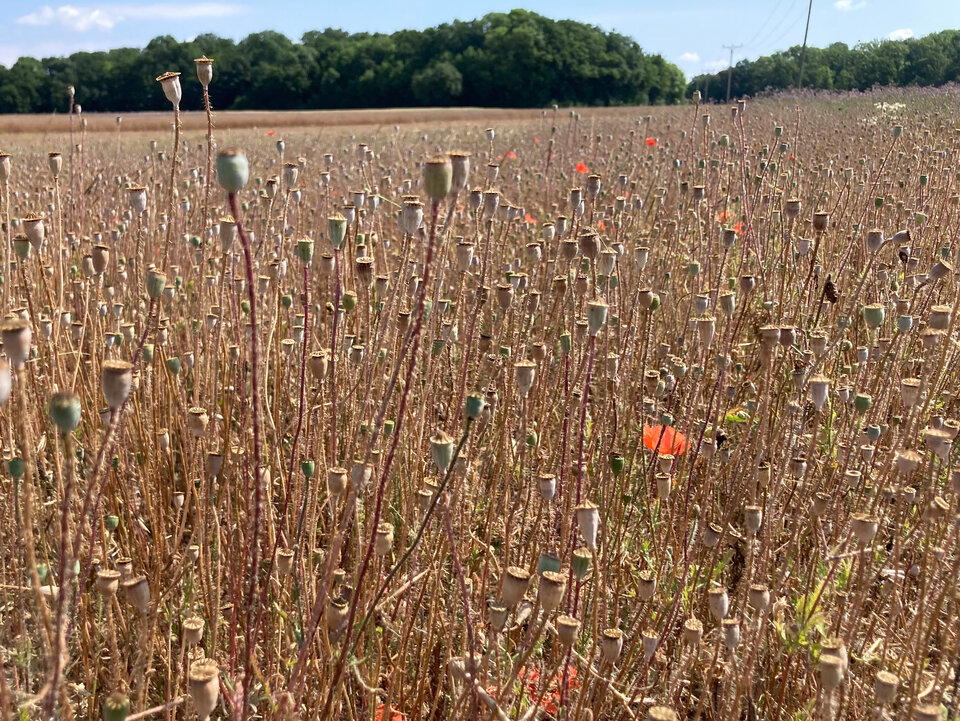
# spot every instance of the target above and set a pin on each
(529, 218)
(536, 140)
(664, 439)
(739, 227)
(721, 216)
(602, 225)
(512, 155)
(651, 141)
(271, 132)
(393, 716)
(793, 157)
(582, 167)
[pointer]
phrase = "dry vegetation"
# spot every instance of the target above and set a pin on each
(618, 417)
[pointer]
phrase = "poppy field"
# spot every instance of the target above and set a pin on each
(621, 414)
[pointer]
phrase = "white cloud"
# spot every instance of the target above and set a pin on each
(106, 17)
(713, 66)
(901, 34)
(689, 58)
(847, 5)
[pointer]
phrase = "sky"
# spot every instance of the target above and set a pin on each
(690, 33)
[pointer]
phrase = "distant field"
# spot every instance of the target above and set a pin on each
(281, 119)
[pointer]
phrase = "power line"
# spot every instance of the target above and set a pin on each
(731, 48)
(766, 22)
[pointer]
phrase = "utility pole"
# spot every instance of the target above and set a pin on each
(731, 48)
(803, 50)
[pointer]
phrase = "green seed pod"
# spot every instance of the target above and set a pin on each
(862, 402)
(148, 352)
(474, 405)
(15, 467)
(116, 707)
(112, 523)
(156, 282)
(173, 365)
(64, 411)
(873, 315)
(233, 171)
(308, 468)
(581, 562)
(336, 230)
(438, 177)
(305, 250)
(616, 463)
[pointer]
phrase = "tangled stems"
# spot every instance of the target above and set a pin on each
(415, 339)
(257, 476)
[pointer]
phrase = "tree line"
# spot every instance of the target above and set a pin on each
(516, 59)
(931, 60)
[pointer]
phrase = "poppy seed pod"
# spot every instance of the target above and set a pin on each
(137, 592)
(34, 230)
(156, 282)
(228, 233)
(197, 420)
(567, 628)
(547, 484)
(719, 603)
(16, 335)
(383, 541)
(438, 177)
(491, 201)
(759, 596)
(731, 633)
(611, 644)
(116, 707)
(337, 612)
(64, 410)
(108, 581)
(204, 70)
(588, 523)
(819, 390)
(646, 584)
(791, 208)
(193, 630)
(864, 527)
(233, 171)
(360, 474)
(692, 631)
(497, 615)
(752, 518)
(441, 450)
(525, 373)
(204, 685)
(515, 583)
(411, 216)
(319, 361)
(885, 686)
(117, 382)
(460, 165)
(596, 315)
(170, 82)
(551, 589)
(831, 670)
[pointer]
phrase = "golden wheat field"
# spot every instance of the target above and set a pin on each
(478, 414)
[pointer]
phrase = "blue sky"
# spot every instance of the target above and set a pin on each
(691, 33)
